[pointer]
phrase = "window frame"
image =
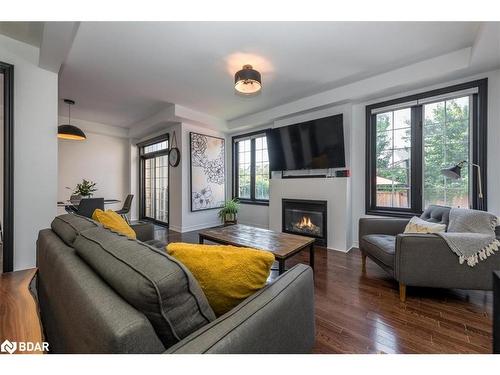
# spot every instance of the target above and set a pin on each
(235, 188)
(142, 182)
(478, 146)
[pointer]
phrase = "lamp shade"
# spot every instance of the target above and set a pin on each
(454, 172)
(247, 81)
(70, 132)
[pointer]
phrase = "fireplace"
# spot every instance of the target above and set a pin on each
(305, 217)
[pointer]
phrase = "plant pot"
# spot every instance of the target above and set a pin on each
(230, 219)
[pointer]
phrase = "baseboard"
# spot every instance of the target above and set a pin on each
(199, 226)
(175, 228)
(338, 250)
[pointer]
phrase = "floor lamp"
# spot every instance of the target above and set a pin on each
(455, 173)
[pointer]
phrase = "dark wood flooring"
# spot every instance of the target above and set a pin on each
(361, 313)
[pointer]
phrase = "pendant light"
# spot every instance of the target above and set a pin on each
(247, 81)
(68, 131)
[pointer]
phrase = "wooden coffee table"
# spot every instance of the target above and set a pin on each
(282, 245)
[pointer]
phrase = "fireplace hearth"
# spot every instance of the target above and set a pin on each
(306, 218)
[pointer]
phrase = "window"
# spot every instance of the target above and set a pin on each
(446, 141)
(251, 168)
(154, 179)
(393, 150)
(410, 140)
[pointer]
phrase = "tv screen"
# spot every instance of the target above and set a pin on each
(316, 144)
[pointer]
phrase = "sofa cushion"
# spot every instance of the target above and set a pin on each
(153, 282)
(381, 247)
(68, 226)
(436, 214)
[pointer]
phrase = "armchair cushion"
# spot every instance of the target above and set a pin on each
(436, 214)
(381, 247)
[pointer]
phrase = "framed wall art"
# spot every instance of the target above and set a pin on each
(208, 176)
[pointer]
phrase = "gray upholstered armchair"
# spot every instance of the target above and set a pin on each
(421, 259)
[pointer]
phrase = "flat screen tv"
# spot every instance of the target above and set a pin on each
(316, 144)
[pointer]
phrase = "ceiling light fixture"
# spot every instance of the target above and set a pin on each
(247, 81)
(69, 131)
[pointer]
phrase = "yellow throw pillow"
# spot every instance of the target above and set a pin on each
(111, 220)
(227, 274)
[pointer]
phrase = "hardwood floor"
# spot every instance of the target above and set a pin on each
(361, 313)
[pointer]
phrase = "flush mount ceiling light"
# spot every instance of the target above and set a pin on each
(68, 131)
(247, 81)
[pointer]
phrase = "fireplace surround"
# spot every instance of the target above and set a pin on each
(306, 218)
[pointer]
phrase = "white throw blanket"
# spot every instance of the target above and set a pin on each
(471, 235)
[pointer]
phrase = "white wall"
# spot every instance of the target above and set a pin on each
(358, 146)
(100, 158)
(254, 215)
(35, 147)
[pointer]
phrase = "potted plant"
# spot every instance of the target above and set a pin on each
(228, 213)
(85, 189)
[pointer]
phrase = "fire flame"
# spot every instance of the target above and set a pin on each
(305, 223)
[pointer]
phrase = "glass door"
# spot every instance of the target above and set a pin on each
(154, 180)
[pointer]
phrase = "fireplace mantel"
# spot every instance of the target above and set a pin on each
(333, 190)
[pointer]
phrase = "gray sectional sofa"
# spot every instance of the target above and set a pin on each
(100, 292)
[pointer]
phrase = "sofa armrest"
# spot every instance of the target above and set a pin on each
(426, 260)
(381, 225)
(277, 319)
(144, 231)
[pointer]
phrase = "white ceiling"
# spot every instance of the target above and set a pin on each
(27, 32)
(122, 72)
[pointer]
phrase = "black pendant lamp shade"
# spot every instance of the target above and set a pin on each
(68, 131)
(247, 81)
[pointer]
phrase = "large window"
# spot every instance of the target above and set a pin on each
(154, 179)
(251, 168)
(410, 140)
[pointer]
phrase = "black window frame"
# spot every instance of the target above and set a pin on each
(479, 148)
(235, 179)
(142, 182)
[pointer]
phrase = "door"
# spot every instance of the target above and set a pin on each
(154, 176)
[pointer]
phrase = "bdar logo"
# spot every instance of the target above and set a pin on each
(8, 347)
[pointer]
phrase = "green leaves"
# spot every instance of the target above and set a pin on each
(230, 208)
(86, 188)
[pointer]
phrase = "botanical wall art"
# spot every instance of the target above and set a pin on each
(208, 179)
